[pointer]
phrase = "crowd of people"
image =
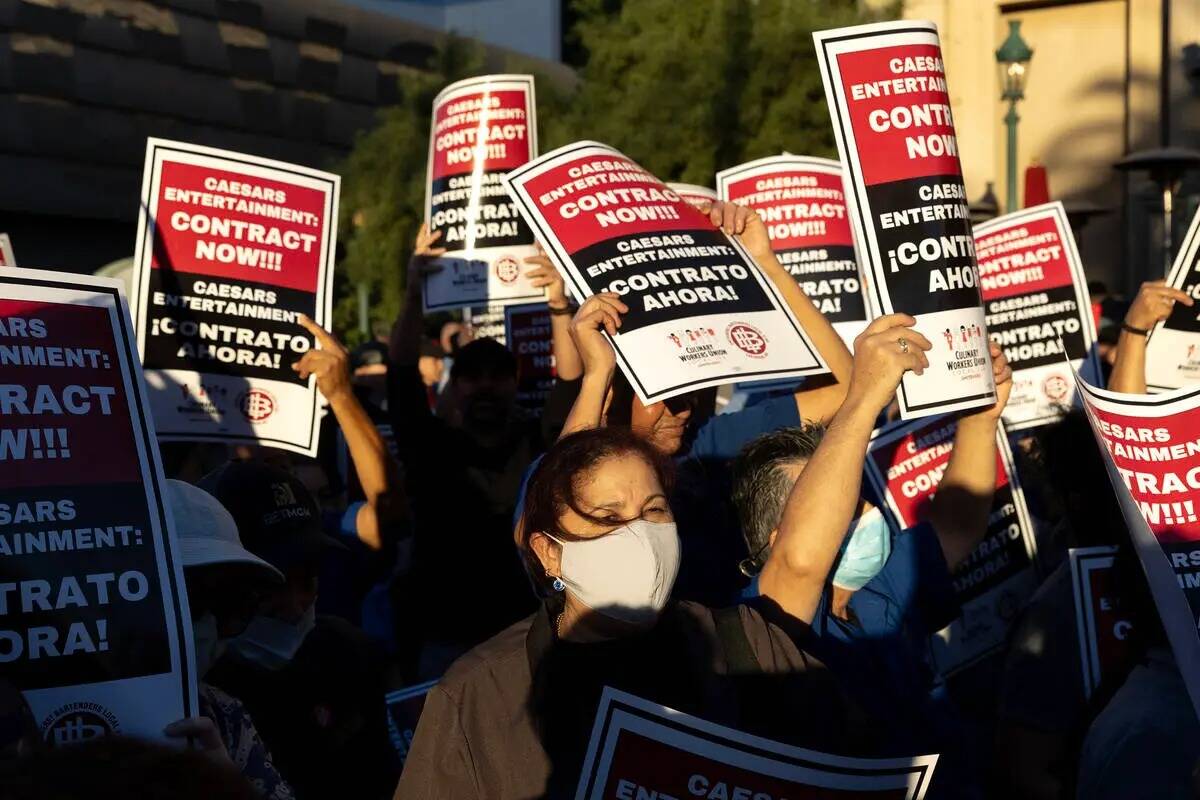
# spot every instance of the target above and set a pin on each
(733, 566)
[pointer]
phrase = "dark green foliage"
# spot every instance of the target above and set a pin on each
(685, 87)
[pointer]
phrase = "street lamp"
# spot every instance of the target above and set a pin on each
(1013, 57)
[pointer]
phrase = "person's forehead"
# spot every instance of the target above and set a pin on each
(626, 478)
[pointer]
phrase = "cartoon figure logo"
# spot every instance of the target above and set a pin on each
(256, 405)
(747, 338)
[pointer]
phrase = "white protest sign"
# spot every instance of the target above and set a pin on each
(94, 621)
(482, 128)
(905, 463)
(1173, 353)
(1101, 621)
(231, 249)
(7, 259)
(1036, 300)
(1151, 449)
(641, 749)
(802, 202)
(700, 312)
(886, 88)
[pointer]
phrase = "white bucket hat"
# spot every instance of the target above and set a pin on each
(206, 532)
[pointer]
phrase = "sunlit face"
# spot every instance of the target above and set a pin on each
(618, 489)
(663, 424)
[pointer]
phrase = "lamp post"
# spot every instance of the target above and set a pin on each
(1013, 57)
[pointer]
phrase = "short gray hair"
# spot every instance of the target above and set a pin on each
(761, 485)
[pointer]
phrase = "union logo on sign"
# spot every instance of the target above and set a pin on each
(1056, 388)
(507, 269)
(747, 338)
(256, 404)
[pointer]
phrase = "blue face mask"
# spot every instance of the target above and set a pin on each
(864, 552)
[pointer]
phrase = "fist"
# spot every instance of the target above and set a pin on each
(1153, 304)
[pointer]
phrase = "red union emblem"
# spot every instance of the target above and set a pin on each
(507, 269)
(256, 404)
(1055, 388)
(747, 338)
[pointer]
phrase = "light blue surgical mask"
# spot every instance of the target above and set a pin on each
(864, 552)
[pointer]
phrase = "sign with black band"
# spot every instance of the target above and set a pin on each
(1173, 353)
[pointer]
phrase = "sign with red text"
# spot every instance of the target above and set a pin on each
(1102, 620)
(1173, 353)
(886, 87)
(1036, 301)
(640, 749)
(700, 312)
(231, 249)
(94, 622)
(404, 707)
(7, 259)
(527, 333)
(1151, 447)
(690, 193)
(482, 128)
(804, 207)
(905, 464)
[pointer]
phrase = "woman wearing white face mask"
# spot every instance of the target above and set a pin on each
(223, 581)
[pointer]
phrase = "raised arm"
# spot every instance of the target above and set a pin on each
(818, 398)
(1153, 303)
(372, 462)
(960, 508)
(404, 348)
(568, 366)
(601, 312)
(826, 496)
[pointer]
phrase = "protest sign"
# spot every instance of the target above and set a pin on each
(1173, 353)
(527, 333)
(1036, 301)
(802, 202)
(641, 749)
(886, 87)
(94, 623)
(482, 127)
(7, 259)
(487, 323)
(231, 249)
(404, 707)
(1103, 624)
(1151, 449)
(700, 312)
(692, 194)
(905, 464)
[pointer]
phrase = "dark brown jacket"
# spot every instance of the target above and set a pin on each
(478, 738)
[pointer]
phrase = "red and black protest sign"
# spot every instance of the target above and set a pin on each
(1173, 354)
(1102, 619)
(482, 128)
(486, 323)
(641, 749)
(1036, 300)
(7, 259)
(231, 249)
(700, 312)
(693, 195)
(886, 87)
(905, 463)
(528, 334)
(802, 202)
(94, 625)
(404, 707)
(1151, 448)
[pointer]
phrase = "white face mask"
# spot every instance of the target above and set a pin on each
(272, 643)
(207, 643)
(626, 574)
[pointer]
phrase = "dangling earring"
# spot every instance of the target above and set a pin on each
(559, 585)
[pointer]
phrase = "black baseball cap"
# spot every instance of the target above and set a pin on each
(277, 517)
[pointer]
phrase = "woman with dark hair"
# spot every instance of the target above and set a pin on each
(511, 718)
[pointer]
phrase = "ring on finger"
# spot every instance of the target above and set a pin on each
(903, 345)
